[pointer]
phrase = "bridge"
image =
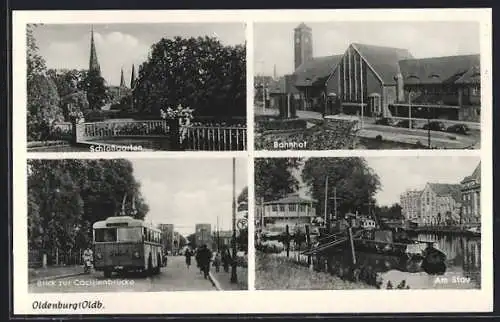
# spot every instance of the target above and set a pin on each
(193, 137)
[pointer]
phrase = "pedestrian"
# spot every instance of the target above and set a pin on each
(205, 255)
(88, 259)
(197, 259)
(188, 255)
(217, 261)
(226, 259)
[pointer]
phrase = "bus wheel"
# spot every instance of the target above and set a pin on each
(158, 265)
(107, 273)
(150, 266)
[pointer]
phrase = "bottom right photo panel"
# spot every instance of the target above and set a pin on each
(368, 223)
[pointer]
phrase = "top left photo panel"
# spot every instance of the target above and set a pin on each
(135, 87)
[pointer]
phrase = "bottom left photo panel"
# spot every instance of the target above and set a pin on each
(137, 225)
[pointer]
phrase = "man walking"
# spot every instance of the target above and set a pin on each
(205, 256)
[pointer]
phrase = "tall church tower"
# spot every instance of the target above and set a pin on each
(132, 77)
(122, 79)
(93, 63)
(303, 44)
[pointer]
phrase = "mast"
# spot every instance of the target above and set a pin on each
(326, 200)
(123, 204)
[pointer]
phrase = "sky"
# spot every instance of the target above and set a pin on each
(398, 174)
(273, 42)
(187, 191)
(120, 45)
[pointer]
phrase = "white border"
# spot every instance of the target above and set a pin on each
(341, 301)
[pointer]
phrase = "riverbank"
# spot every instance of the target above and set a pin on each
(278, 273)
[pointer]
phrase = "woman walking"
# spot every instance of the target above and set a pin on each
(188, 255)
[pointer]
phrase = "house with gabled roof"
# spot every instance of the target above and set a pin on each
(471, 197)
(439, 203)
(292, 210)
(384, 81)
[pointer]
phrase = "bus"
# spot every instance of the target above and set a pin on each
(125, 244)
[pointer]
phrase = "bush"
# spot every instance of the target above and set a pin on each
(329, 135)
(378, 137)
(271, 246)
(292, 124)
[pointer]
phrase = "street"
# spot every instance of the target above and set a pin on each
(174, 277)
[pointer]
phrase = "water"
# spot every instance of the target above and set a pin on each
(463, 264)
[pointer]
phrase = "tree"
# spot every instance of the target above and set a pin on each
(43, 107)
(199, 73)
(390, 212)
(35, 64)
(274, 178)
(355, 183)
(95, 87)
(242, 200)
(66, 196)
(42, 97)
(192, 240)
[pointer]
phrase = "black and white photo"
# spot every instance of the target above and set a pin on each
(139, 225)
(368, 223)
(136, 87)
(367, 85)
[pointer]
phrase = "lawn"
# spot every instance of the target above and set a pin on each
(277, 273)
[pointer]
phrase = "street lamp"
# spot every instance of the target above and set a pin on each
(409, 100)
(428, 114)
(234, 277)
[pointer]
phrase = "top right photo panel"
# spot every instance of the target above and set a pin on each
(367, 85)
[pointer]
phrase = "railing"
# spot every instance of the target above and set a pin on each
(214, 138)
(211, 137)
(98, 130)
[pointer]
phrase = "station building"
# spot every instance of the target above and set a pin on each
(383, 81)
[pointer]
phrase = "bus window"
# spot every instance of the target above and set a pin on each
(129, 234)
(105, 235)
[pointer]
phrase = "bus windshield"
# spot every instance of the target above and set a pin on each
(133, 234)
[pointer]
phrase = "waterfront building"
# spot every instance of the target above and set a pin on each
(292, 210)
(410, 204)
(470, 188)
(440, 204)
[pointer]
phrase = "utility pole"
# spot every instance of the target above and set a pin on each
(218, 235)
(234, 277)
(326, 202)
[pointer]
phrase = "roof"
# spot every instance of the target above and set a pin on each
(446, 189)
(132, 222)
(435, 70)
(277, 86)
(476, 175)
(384, 60)
(473, 76)
(291, 199)
(303, 26)
(316, 70)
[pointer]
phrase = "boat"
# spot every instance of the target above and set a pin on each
(475, 231)
(394, 243)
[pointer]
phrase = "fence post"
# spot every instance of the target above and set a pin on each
(287, 236)
(308, 241)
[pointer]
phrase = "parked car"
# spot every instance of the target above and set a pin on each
(385, 121)
(434, 126)
(406, 124)
(458, 128)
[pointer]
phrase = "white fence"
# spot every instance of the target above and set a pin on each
(96, 130)
(204, 137)
(214, 138)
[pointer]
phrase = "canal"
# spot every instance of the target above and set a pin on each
(463, 264)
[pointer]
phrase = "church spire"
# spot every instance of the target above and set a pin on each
(93, 62)
(132, 77)
(122, 79)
